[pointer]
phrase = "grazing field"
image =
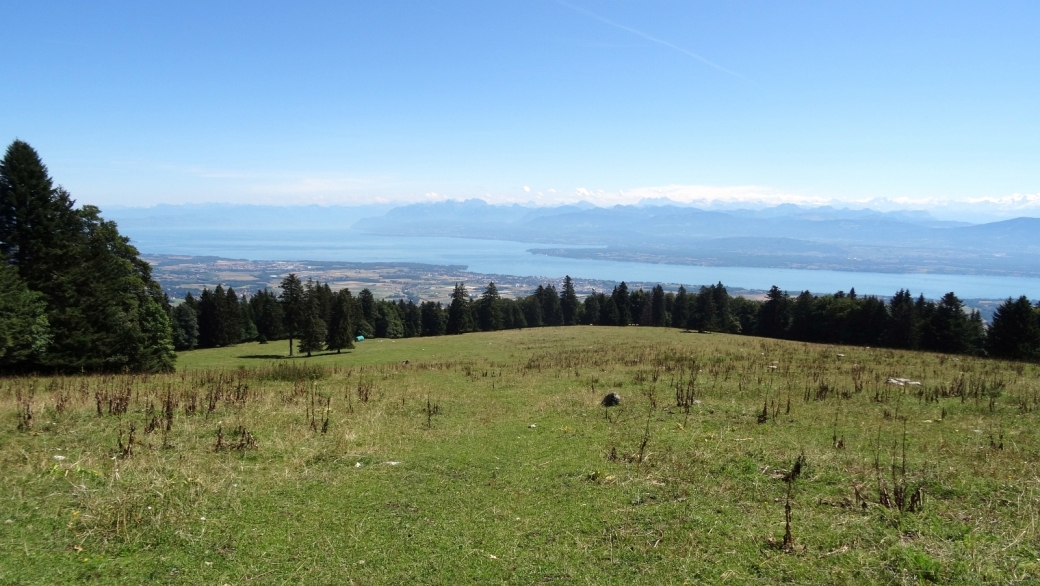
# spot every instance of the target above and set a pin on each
(488, 458)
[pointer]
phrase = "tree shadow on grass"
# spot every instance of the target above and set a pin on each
(294, 357)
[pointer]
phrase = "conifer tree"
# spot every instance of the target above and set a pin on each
(209, 326)
(1015, 332)
(104, 310)
(341, 330)
(24, 330)
(621, 304)
(590, 309)
(186, 327)
(570, 305)
(388, 321)
(292, 306)
(775, 315)
(657, 307)
(312, 329)
(488, 313)
(460, 319)
(680, 308)
(434, 319)
(552, 309)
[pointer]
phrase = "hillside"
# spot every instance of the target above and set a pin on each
(488, 458)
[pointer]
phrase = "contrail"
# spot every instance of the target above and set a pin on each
(653, 39)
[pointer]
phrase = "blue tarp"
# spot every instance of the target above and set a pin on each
(360, 338)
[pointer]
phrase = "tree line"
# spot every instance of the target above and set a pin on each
(320, 319)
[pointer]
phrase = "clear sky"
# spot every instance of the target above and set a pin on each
(144, 102)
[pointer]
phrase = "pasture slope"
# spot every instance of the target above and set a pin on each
(486, 458)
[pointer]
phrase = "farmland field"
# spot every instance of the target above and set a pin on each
(488, 458)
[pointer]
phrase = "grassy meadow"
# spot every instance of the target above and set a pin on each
(487, 458)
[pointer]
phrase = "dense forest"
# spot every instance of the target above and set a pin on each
(76, 297)
(320, 319)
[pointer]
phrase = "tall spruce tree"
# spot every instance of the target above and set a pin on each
(620, 297)
(292, 306)
(341, 330)
(658, 312)
(569, 302)
(104, 310)
(185, 327)
(1015, 331)
(460, 318)
(489, 315)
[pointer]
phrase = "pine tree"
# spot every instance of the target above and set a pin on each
(292, 306)
(209, 327)
(388, 321)
(775, 315)
(341, 330)
(569, 302)
(488, 313)
(1015, 332)
(24, 330)
(186, 327)
(267, 315)
(230, 317)
(312, 330)
(552, 309)
(680, 308)
(104, 310)
(590, 310)
(434, 319)
(460, 319)
(904, 327)
(657, 307)
(621, 303)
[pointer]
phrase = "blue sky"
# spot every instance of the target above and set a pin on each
(917, 104)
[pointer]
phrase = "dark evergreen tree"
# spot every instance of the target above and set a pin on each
(368, 305)
(552, 309)
(1015, 332)
(948, 329)
(489, 315)
(292, 307)
(411, 317)
(185, 327)
(680, 308)
(774, 317)
(434, 318)
(569, 303)
(658, 311)
(24, 331)
(590, 309)
(229, 315)
(341, 330)
(388, 321)
(209, 324)
(620, 298)
(904, 327)
(460, 318)
(532, 308)
(312, 330)
(609, 315)
(267, 315)
(104, 310)
(639, 307)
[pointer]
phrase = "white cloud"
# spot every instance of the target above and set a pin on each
(527, 189)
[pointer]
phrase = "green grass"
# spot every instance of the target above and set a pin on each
(520, 476)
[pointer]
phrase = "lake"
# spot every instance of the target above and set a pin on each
(512, 258)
